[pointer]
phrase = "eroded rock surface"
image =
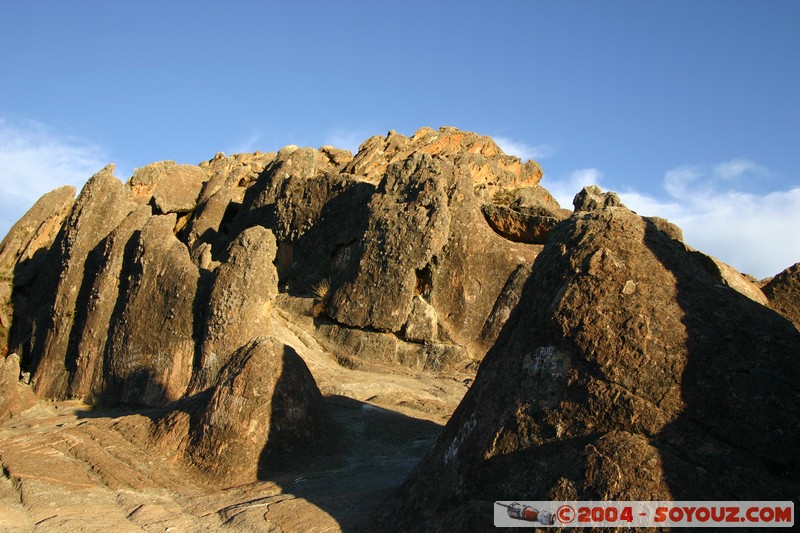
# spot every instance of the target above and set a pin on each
(783, 292)
(623, 373)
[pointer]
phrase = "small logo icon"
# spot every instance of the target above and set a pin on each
(528, 513)
(565, 514)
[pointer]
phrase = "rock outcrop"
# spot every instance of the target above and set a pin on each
(101, 206)
(150, 363)
(239, 302)
(265, 412)
(783, 293)
(626, 372)
(15, 396)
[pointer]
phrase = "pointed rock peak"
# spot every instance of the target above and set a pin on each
(591, 198)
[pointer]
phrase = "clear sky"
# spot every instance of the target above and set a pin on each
(689, 109)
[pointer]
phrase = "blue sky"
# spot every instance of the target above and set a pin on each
(689, 109)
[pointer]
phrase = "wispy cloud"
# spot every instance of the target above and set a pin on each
(245, 145)
(525, 151)
(34, 159)
(755, 233)
(346, 139)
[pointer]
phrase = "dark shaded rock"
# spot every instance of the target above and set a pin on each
(409, 224)
(169, 187)
(505, 303)
(517, 225)
(95, 308)
(317, 222)
(265, 412)
(23, 253)
(151, 348)
(626, 372)
(240, 300)
(36, 230)
(783, 292)
(102, 204)
(15, 396)
(258, 206)
(667, 227)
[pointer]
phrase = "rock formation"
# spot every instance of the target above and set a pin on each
(783, 292)
(253, 304)
(626, 372)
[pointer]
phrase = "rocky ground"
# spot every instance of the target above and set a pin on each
(274, 341)
(68, 466)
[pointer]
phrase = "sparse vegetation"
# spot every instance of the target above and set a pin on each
(322, 294)
(504, 197)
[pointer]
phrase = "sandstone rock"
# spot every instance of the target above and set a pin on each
(151, 348)
(730, 277)
(170, 187)
(625, 372)
(96, 306)
(35, 231)
(518, 226)
(592, 198)
(240, 301)
(422, 321)
(101, 206)
(487, 165)
(23, 253)
(237, 171)
(258, 206)
(15, 396)
(409, 224)
(265, 412)
(427, 237)
(317, 220)
(783, 292)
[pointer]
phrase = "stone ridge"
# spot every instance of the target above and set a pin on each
(232, 296)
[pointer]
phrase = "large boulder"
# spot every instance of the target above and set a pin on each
(168, 186)
(425, 237)
(15, 396)
(783, 292)
(240, 300)
(626, 372)
(409, 224)
(102, 204)
(265, 412)
(151, 348)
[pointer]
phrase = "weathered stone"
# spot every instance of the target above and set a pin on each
(594, 392)
(171, 188)
(517, 225)
(422, 322)
(35, 231)
(783, 292)
(317, 220)
(15, 397)
(409, 224)
(240, 301)
(236, 171)
(373, 350)
(591, 198)
(95, 307)
(151, 348)
(478, 156)
(102, 204)
(667, 227)
(730, 277)
(265, 412)
(258, 206)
